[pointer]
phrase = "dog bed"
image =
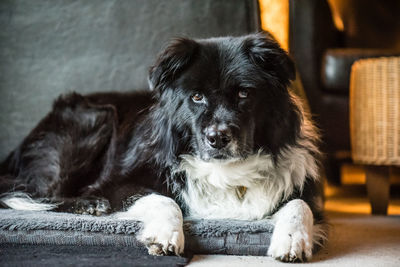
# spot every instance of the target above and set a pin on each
(232, 237)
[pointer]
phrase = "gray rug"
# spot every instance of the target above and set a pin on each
(201, 236)
(72, 255)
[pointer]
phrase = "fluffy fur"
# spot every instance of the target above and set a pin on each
(211, 185)
(220, 135)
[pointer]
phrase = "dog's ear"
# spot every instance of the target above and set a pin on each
(265, 52)
(172, 60)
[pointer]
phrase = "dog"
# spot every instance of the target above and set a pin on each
(218, 136)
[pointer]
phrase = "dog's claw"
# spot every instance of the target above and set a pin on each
(170, 246)
(155, 249)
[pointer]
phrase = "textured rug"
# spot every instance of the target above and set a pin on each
(73, 255)
(232, 237)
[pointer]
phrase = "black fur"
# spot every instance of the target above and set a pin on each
(115, 146)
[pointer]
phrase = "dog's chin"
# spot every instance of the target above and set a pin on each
(220, 155)
(233, 151)
(217, 156)
(207, 157)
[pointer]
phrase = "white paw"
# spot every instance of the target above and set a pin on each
(162, 238)
(291, 246)
(162, 231)
(292, 239)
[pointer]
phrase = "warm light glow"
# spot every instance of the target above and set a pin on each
(347, 207)
(352, 174)
(357, 206)
(355, 174)
(335, 8)
(275, 19)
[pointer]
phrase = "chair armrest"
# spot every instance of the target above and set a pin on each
(336, 66)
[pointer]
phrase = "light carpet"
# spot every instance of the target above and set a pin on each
(356, 240)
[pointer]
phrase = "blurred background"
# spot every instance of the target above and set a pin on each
(325, 38)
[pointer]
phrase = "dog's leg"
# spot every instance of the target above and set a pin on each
(162, 219)
(292, 239)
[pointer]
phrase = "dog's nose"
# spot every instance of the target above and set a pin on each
(218, 137)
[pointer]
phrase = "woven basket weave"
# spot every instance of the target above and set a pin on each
(375, 111)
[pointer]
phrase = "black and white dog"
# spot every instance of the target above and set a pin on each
(218, 137)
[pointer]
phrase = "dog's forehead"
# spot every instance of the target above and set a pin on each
(221, 64)
(224, 51)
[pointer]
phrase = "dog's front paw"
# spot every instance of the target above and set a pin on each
(162, 231)
(163, 239)
(291, 246)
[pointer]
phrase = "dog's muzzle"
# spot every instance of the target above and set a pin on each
(218, 136)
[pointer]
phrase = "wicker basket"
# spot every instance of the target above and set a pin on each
(375, 111)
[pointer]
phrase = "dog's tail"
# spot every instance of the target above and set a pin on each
(12, 193)
(22, 201)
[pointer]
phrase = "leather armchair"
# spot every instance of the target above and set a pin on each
(324, 56)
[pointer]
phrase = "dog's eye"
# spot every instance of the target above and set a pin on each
(243, 93)
(197, 97)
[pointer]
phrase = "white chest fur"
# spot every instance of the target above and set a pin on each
(211, 187)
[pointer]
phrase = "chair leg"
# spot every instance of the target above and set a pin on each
(378, 188)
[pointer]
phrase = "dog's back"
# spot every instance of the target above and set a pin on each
(72, 147)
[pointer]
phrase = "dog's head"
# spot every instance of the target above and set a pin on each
(229, 95)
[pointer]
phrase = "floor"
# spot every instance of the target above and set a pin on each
(355, 240)
(356, 237)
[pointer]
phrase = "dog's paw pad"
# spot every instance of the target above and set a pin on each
(295, 247)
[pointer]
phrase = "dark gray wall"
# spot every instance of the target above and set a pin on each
(49, 47)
